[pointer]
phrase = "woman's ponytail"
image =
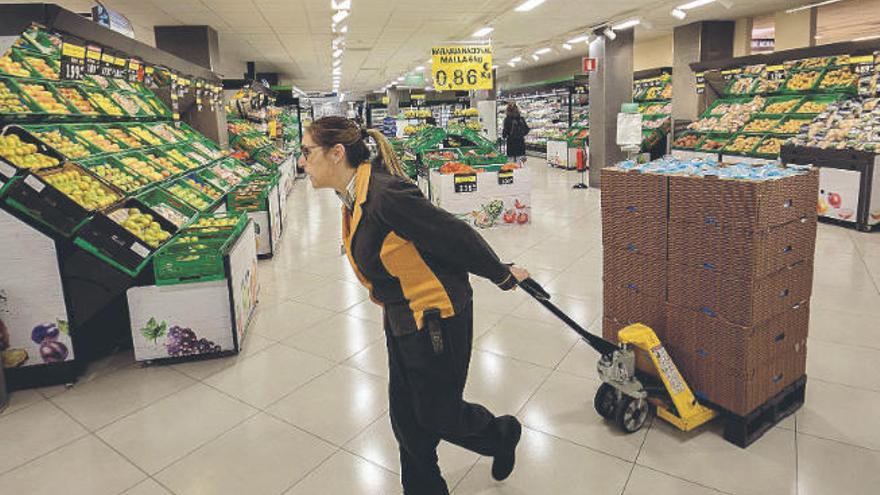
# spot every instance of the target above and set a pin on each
(387, 155)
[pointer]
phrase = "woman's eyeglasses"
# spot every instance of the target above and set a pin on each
(307, 151)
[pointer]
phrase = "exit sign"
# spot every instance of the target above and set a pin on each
(590, 64)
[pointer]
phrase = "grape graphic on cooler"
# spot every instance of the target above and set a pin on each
(184, 342)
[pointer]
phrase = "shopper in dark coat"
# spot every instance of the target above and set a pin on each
(415, 258)
(514, 132)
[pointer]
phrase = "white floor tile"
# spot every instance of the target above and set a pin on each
(147, 487)
(768, 466)
(528, 340)
(345, 474)
(263, 455)
(335, 296)
(167, 430)
(645, 481)
(548, 465)
(269, 375)
(335, 406)
(845, 364)
(34, 431)
(285, 319)
(373, 359)
(337, 338)
(825, 466)
(832, 411)
(502, 384)
(84, 467)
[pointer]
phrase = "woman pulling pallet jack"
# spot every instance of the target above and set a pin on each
(635, 373)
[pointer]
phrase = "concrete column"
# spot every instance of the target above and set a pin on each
(198, 44)
(393, 102)
(796, 30)
(610, 86)
(742, 37)
(696, 42)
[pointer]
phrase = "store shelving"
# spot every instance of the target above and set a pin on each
(652, 90)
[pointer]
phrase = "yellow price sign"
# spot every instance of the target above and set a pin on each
(462, 67)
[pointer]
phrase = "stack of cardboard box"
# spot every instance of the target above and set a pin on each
(737, 276)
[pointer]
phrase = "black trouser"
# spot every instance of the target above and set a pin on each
(425, 391)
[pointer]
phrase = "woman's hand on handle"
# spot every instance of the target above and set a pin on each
(519, 273)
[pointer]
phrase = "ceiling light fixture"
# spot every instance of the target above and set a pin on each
(694, 4)
(511, 63)
(337, 71)
(419, 68)
(337, 53)
(579, 39)
(609, 33)
(536, 57)
(678, 14)
(810, 6)
(400, 79)
(528, 5)
(337, 62)
(863, 38)
(516, 60)
(339, 16)
(543, 51)
(566, 46)
(340, 4)
(626, 25)
(479, 33)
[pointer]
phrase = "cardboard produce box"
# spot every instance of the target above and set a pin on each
(633, 192)
(638, 232)
(741, 253)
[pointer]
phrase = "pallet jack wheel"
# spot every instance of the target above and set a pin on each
(631, 414)
(605, 401)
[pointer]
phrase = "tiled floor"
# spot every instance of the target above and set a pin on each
(304, 409)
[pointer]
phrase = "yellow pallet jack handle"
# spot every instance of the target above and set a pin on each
(691, 413)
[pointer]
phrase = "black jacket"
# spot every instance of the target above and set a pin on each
(411, 255)
(516, 145)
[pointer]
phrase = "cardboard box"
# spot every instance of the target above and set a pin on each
(633, 192)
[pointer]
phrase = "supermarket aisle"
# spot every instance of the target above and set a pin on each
(304, 409)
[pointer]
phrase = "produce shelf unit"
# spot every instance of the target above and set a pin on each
(97, 175)
(818, 103)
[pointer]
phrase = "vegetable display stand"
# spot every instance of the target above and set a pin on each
(35, 330)
(849, 184)
(485, 199)
(557, 154)
(263, 206)
(199, 316)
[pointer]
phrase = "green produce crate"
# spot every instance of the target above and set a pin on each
(113, 244)
(749, 152)
(710, 112)
(751, 78)
(137, 183)
(845, 88)
(819, 98)
(38, 40)
(37, 110)
(757, 154)
(170, 207)
(485, 160)
(779, 99)
(803, 119)
(129, 103)
(109, 108)
(252, 196)
(786, 90)
(191, 258)
(724, 138)
(700, 137)
(28, 106)
(232, 222)
(183, 191)
(812, 63)
(5, 185)
(777, 119)
(215, 180)
(167, 132)
(39, 131)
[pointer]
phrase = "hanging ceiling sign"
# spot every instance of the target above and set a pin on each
(462, 67)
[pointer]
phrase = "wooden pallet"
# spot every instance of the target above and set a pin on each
(743, 431)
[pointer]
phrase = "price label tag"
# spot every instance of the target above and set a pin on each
(465, 183)
(93, 59)
(140, 250)
(505, 177)
(775, 73)
(135, 70)
(73, 60)
(462, 67)
(120, 69)
(148, 75)
(34, 183)
(6, 169)
(107, 64)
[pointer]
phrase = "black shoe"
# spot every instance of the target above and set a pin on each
(510, 431)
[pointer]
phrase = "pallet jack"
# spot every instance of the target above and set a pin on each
(636, 374)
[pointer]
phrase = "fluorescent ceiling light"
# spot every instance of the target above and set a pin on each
(542, 51)
(536, 57)
(810, 6)
(678, 14)
(337, 70)
(566, 46)
(694, 4)
(863, 38)
(339, 16)
(429, 61)
(511, 63)
(528, 5)
(401, 78)
(516, 60)
(609, 33)
(479, 33)
(626, 24)
(579, 39)
(337, 53)
(420, 68)
(337, 62)
(340, 4)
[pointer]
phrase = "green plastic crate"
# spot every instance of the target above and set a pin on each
(725, 138)
(779, 99)
(819, 98)
(169, 206)
(188, 194)
(748, 152)
(191, 258)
